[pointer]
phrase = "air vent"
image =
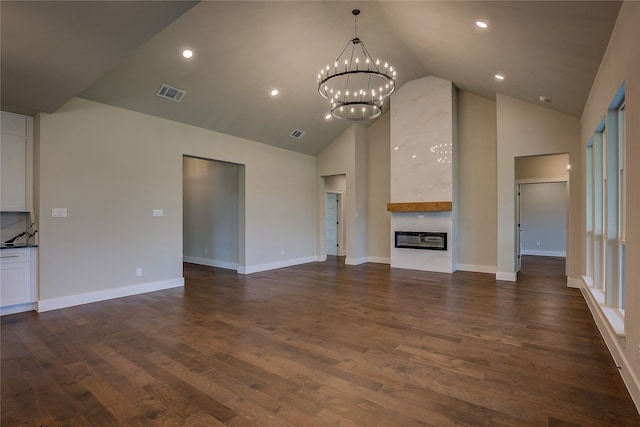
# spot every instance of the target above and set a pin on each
(171, 93)
(297, 134)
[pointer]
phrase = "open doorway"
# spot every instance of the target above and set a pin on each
(335, 187)
(334, 224)
(213, 212)
(542, 197)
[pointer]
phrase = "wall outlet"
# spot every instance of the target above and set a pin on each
(206, 251)
(282, 252)
(538, 243)
(158, 212)
(138, 272)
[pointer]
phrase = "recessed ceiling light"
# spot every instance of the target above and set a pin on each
(482, 24)
(396, 148)
(328, 116)
(499, 77)
(414, 156)
(275, 92)
(187, 53)
(544, 99)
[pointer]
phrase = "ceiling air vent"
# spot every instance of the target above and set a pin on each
(171, 93)
(297, 134)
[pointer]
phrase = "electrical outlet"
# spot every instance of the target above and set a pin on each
(138, 272)
(538, 243)
(206, 251)
(282, 252)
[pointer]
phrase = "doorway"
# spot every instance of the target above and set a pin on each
(334, 224)
(542, 198)
(213, 212)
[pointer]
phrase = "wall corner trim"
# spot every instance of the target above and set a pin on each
(107, 294)
(211, 262)
(506, 276)
(274, 265)
(355, 261)
(478, 268)
(612, 341)
(574, 283)
(379, 259)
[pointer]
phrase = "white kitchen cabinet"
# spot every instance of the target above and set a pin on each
(15, 165)
(17, 280)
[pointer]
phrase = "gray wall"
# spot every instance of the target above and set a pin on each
(620, 64)
(211, 193)
(378, 190)
(525, 129)
(111, 167)
(346, 155)
(543, 215)
(477, 183)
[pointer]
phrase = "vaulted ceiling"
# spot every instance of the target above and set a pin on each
(120, 52)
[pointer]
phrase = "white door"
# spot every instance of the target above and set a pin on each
(518, 230)
(332, 224)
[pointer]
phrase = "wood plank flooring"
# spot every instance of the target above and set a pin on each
(319, 344)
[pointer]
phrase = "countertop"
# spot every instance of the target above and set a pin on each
(17, 246)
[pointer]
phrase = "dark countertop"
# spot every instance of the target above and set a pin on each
(17, 246)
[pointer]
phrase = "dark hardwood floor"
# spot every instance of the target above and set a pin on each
(319, 344)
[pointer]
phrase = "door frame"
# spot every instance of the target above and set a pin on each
(342, 249)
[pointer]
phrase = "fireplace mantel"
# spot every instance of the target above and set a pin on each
(419, 207)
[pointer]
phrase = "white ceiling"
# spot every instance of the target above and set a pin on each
(120, 52)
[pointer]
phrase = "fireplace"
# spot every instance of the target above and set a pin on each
(421, 240)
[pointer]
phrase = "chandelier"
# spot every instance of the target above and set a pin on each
(355, 85)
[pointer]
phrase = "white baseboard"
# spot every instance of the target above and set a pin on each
(562, 254)
(573, 283)
(478, 268)
(211, 262)
(107, 294)
(355, 261)
(274, 265)
(18, 308)
(321, 258)
(613, 342)
(379, 259)
(506, 276)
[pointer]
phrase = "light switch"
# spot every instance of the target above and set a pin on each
(158, 212)
(59, 212)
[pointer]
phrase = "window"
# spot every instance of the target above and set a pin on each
(622, 202)
(606, 209)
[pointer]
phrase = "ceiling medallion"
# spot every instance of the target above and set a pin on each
(355, 85)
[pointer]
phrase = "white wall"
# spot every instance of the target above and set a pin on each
(211, 196)
(525, 129)
(111, 167)
(621, 63)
